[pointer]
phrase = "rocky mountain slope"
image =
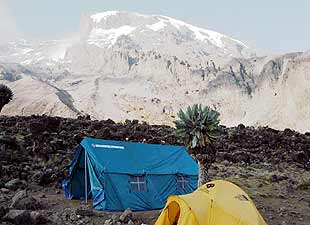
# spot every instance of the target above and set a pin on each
(35, 154)
(126, 65)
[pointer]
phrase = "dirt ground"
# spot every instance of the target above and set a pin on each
(272, 166)
(281, 194)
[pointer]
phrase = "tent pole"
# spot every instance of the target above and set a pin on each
(85, 177)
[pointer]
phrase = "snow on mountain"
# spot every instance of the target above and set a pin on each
(161, 22)
(125, 65)
(157, 26)
(158, 32)
(100, 16)
(33, 52)
(201, 34)
(101, 37)
(119, 29)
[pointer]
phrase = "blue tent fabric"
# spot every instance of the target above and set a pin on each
(131, 175)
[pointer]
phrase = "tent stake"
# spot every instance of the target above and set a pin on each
(85, 178)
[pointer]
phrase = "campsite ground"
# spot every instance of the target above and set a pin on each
(282, 195)
(271, 166)
(281, 192)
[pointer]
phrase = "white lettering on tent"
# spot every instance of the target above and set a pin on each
(107, 146)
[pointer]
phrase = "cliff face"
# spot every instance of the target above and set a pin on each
(132, 66)
(103, 34)
(271, 91)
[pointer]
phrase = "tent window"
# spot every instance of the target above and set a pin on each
(182, 182)
(137, 184)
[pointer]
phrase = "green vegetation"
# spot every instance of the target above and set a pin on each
(198, 127)
(6, 95)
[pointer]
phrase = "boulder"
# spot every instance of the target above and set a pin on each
(277, 178)
(85, 212)
(37, 177)
(22, 200)
(4, 190)
(38, 218)
(17, 197)
(126, 216)
(241, 156)
(14, 184)
(114, 217)
(131, 222)
(18, 217)
(108, 222)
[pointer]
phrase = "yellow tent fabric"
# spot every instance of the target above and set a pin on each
(215, 203)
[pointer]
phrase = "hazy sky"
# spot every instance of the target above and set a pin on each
(269, 25)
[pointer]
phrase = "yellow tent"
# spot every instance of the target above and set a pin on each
(215, 203)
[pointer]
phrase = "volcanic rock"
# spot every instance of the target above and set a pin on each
(22, 200)
(18, 217)
(126, 216)
(14, 184)
(38, 218)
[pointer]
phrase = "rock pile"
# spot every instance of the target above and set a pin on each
(40, 148)
(263, 145)
(36, 152)
(22, 208)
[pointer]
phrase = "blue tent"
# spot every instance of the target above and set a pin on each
(123, 175)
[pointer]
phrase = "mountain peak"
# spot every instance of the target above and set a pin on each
(159, 32)
(100, 16)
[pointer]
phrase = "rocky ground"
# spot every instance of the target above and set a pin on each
(35, 153)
